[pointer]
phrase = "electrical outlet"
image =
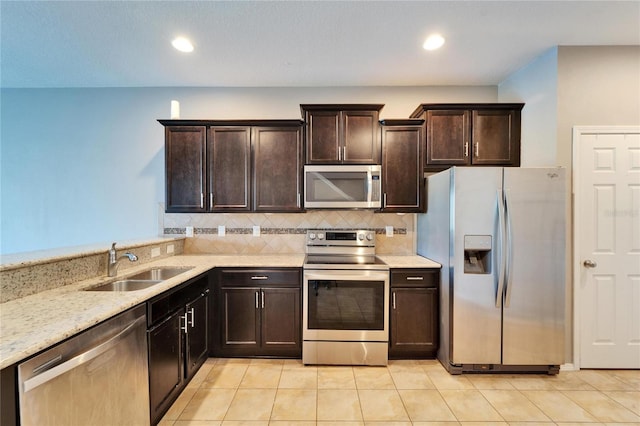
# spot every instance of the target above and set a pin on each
(221, 231)
(170, 249)
(389, 230)
(189, 231)
(256, 230)
(155, 252)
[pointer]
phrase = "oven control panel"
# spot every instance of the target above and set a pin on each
(341, 237)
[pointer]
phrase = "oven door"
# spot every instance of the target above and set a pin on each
(346, 305)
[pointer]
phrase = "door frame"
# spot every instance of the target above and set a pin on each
(578, 132)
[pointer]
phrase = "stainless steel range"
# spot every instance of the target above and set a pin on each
(345, 299)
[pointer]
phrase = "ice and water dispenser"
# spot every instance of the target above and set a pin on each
(477, 254)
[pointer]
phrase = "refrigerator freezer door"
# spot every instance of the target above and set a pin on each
(475, 319)
(533, 327)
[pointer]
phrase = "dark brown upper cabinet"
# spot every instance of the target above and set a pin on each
(229, 168)
(342, 133)
(277, 168)
(185, 157)
(402, 165)
(233, 165)
(471, 134)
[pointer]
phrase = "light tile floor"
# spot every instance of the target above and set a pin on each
(258, 392)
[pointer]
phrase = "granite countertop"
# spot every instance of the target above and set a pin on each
(33, 323)
(408, 261)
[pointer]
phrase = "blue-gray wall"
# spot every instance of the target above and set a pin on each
(85, 166)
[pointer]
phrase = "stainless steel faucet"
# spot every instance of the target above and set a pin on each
(114, 260)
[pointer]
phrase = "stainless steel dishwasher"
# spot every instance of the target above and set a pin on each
(99, 377)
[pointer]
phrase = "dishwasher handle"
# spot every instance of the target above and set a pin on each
(83, 358)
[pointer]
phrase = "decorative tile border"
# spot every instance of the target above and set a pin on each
(273, 231)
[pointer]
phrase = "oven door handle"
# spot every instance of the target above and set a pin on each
(336, 275)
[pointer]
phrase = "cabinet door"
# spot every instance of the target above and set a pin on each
(277, 168)
(165, 363)
(196, 337)
(414, 322)
(361, 137)
(496, 137)
(323, 136)
(402, 168)
(185, 168)
(240, 320)
(448, 137)
(229, 168)
(281, 327)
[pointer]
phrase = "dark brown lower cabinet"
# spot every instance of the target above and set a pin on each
(165, 364)
(177, 336)
(197, 347)
(259, 313)
(414, 315)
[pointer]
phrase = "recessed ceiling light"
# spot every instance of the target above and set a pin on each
(433, 42)
(182, 44)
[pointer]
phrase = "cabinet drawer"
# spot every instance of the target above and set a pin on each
(414, 277)
(260, 277)
(170, 301)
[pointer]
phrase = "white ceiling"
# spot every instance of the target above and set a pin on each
(294, 43)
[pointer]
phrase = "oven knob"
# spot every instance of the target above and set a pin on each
(369, 236)
(361, 237)
(321, 236)
(312, 236)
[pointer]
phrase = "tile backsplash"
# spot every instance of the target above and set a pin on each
(282, 233)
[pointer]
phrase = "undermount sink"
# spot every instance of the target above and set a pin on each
(125, 285)
(159, 274)
(141, 280)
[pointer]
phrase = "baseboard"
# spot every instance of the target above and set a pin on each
(569, 367)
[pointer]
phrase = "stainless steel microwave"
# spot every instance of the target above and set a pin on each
(342, 186)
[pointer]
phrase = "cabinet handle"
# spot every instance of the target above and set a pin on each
(477, 149)
(262, 292)
(344, 153)
(186, 331)
(339, 153)
(202, 200)
(298, 201)
(393, 302)
(259, 277)
(384, 200)
(466, 149)
(211, 199)
(257, 305)
(192, 323)
(415, 278)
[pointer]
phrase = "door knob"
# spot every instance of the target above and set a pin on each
(589, 264)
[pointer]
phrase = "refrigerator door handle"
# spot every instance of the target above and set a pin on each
(509, 266)
(501, 239)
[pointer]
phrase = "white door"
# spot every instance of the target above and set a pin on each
(607, 246)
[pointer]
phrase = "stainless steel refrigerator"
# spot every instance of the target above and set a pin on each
(499, 234)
